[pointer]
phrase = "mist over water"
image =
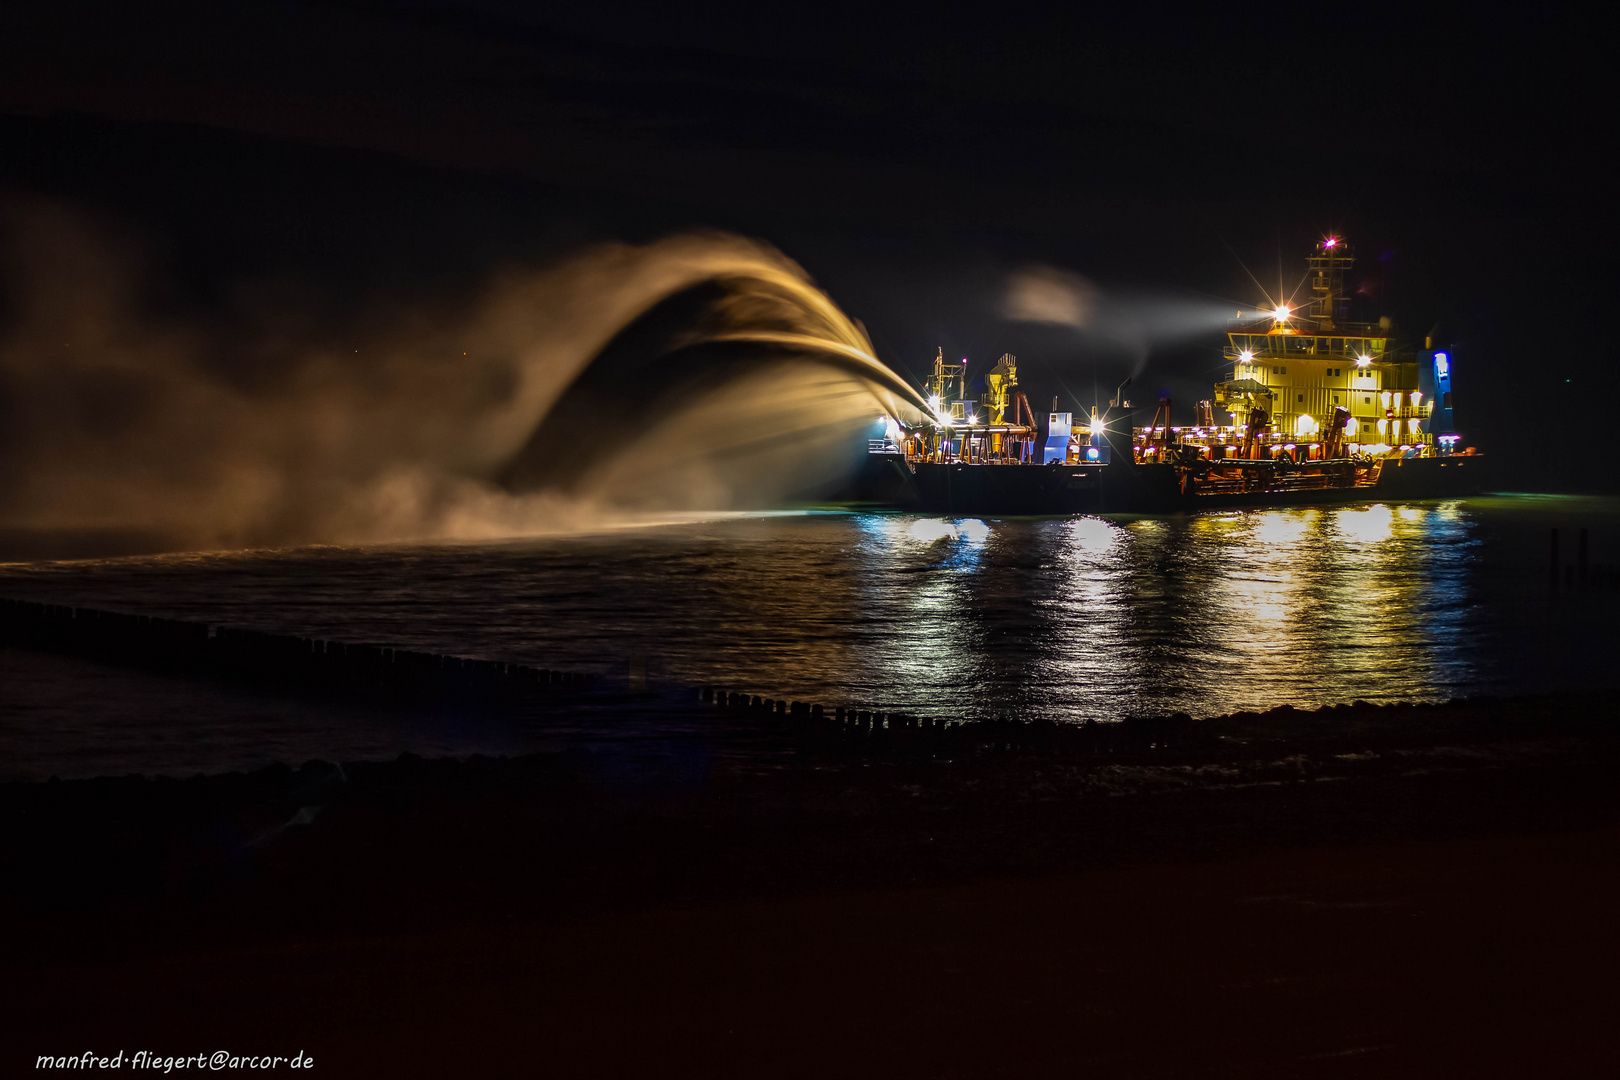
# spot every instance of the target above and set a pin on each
(117, 415)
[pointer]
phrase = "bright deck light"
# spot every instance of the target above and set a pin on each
(1245, 356)
(1363, 360)
(1281, 313)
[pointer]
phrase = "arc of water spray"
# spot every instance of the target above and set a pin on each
(400, 439)
(606, 288)
(866, 364)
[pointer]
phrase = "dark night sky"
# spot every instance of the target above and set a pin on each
(907, 159)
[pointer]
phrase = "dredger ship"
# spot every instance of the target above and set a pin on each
(1313, 408)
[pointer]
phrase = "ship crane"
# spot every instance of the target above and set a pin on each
(1159, 434)
(1258, 421)
(959, 433)
(1333, 438)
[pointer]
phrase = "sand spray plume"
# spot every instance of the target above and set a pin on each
(398, 427)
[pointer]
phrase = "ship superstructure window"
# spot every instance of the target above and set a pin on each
(1302, 397)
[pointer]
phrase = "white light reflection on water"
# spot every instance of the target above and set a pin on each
(1094, 657)
(919, 573)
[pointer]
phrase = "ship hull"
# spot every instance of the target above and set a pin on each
(1150, 489)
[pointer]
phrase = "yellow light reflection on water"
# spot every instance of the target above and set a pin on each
(1284, 527)
(1366, 526)
(1305, 606)
(1203, 613)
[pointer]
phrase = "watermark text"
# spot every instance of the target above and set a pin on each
(149, 1061)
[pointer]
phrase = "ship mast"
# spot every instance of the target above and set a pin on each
(948, 411)
(1328, 264)
(939, 388)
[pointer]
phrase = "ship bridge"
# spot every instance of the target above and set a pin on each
(1301, 366)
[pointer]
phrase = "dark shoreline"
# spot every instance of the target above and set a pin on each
(419, 895)
(158, 861)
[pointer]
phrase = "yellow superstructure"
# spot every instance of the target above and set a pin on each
(1301, 377)
(1308, 363)
(1293, 369)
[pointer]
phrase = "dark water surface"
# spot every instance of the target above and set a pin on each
(1068, 618)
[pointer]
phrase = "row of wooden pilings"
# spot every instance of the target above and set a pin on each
(273, 661)
(849, 731)
(1579, 574)
(402, 677)
(805, 718)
